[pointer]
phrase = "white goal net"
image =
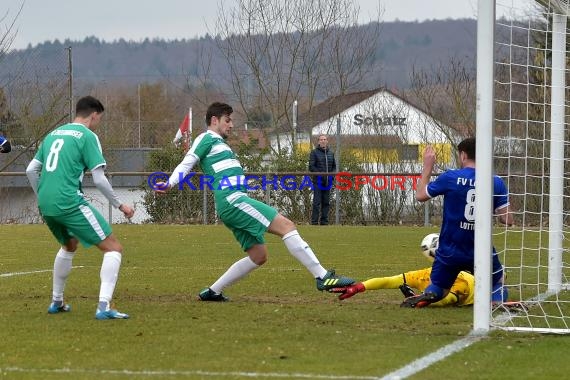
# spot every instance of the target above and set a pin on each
(531, 150)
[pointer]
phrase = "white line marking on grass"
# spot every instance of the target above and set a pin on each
(184, 373)
(31, 272)
(422, 363)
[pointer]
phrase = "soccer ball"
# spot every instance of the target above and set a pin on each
(429, 246)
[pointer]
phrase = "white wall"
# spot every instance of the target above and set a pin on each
(22, 205)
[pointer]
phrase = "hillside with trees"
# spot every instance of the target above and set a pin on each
(397, 47)
(148, 86)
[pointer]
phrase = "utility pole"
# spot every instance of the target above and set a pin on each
(139, 96)
(294, 126)
(337, 160)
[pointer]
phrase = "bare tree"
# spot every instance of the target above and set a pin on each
(447, 93)
(7, 35)
(278, 52)
(8, 30)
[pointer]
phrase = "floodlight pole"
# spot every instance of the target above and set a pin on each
(139, 113)
(70, 83)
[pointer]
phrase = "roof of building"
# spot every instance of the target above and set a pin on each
(331, 107)
(334, 106)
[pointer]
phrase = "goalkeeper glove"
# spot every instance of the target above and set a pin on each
(349, 291)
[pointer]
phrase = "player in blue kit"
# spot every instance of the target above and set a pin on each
(457, 236)
(5, 146)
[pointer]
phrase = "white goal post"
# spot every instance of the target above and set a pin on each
(523, 136)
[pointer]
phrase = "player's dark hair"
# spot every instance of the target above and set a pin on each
(87, 105)
(468, 146)
(218, 110)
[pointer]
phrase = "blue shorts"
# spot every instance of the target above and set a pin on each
(443, 274)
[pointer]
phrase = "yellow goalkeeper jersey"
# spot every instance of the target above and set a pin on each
(461, 293)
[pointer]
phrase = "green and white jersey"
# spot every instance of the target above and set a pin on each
(220, 166)
(65, 154)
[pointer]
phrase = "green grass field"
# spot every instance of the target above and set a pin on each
(277, 324)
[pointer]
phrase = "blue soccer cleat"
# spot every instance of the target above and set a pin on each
(109, 313)
(58, 307)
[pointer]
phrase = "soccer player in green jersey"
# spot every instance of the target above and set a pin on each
(55, 174)
(247, 218)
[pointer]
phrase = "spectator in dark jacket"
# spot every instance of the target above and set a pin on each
(321, 160)
(5, 146)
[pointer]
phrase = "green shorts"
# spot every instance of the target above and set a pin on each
(248, 219)
(85, 223)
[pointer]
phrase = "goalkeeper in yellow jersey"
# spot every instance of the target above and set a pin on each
(460, 294)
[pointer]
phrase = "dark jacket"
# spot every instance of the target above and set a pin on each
(322, 161)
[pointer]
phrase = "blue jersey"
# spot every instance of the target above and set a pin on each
(4, 145)
(457, 236)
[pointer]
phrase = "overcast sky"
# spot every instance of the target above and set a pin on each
(109, 20)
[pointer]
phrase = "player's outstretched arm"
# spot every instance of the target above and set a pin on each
(103, 185)
(181, 171)
(505, 216)
(429, 162)
(349, 291)
(161, 187)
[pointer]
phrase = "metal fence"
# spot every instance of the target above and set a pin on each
(356, 198)
(35, 98)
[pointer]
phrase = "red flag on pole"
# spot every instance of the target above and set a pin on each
(184, 132)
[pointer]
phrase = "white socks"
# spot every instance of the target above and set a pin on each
(296, 246)
(61, 268)
(302, 252)
(109, 275)
(237, 271)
